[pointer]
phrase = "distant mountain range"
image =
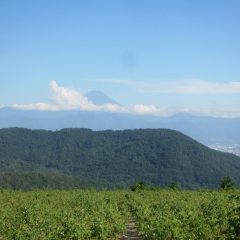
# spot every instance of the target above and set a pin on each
(207, 130)
(81, 157)
(204, 129)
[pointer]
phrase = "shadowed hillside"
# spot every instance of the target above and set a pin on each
(113, 158)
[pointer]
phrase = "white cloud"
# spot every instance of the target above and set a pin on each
(204, 87)
(227, 112)
(67, 99)
(37, 106)
(179, 87)
(112, 108)
(191, 87)
(149, 110)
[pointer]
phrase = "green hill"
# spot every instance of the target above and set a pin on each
(82, 157)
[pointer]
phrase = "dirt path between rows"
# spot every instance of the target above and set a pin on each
(131, 232)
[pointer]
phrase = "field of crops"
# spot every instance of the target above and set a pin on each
(66, 215)
(88, 214)
(187, 215)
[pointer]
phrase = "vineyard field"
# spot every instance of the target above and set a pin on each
(187, 214)
(70, 215)
(90, 214)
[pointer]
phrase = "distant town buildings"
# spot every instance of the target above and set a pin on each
(230, 148)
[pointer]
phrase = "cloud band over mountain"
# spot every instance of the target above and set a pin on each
(64, 98)
(69, 99)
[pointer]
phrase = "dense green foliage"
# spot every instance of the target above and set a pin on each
(43, 180)
(82, 157)
(187, 215)
(88, 214)
(55, 215)
(227, 183)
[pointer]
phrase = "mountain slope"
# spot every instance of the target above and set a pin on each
(116, 158)
(99, 98)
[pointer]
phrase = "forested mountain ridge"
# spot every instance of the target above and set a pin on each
(114, 158)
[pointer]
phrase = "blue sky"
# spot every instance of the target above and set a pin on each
(165, 56)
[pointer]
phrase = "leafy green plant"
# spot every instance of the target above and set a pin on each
(227, 183)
